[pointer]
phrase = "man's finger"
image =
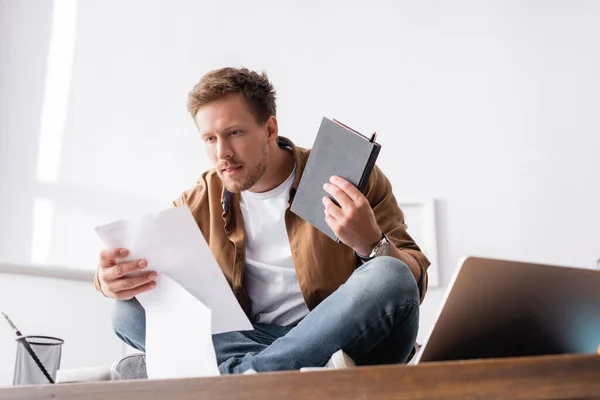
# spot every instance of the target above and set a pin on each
(122, 269)
(332, 209)
(349, 189)
(332, 223)
(124, 284)
(339, 195)
(108, 263)
(129, 294)
(112, 253)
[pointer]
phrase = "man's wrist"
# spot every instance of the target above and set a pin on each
(371, 242)
(366, 253)
(363, 254)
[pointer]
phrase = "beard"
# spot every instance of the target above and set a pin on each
(237, 185)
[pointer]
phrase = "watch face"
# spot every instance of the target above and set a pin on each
(382, 248)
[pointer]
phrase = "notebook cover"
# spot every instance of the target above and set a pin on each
(337, 150)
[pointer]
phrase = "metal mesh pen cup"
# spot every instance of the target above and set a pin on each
(38, 359)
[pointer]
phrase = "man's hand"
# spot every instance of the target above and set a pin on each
(112, 271)
(353, 222)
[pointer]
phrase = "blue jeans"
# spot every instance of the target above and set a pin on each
(373, 317)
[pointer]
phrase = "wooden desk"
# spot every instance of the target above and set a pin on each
(548, 377)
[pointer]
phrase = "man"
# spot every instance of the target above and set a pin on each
(309, 298)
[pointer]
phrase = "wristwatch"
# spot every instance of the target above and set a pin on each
(382, 248)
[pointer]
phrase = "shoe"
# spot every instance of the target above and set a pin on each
(131, 366)
(339, 359)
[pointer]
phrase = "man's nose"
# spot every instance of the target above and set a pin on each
(224, 150)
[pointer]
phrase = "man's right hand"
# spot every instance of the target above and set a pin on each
(112, 271)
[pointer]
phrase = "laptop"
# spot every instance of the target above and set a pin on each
(498, 308)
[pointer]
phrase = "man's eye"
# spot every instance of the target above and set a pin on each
(210, 139)
(235, 133)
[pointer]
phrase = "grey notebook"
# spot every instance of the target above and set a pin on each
(338, 150)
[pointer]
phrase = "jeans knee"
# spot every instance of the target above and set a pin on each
(391, 278)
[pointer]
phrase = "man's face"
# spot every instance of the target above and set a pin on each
(235, 143)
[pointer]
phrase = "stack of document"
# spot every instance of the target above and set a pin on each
(192, 299)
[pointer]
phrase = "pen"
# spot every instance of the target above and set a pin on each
(28, 348)
(14, 328)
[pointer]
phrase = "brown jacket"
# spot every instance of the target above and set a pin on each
(322, 265)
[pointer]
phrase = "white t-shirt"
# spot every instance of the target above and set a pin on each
(270, 277)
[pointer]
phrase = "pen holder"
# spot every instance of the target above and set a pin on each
(38, 359)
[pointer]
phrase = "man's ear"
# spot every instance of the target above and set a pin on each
(272, 129)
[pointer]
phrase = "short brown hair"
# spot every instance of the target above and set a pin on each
(258, 92)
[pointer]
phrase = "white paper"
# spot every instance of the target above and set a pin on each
(173, 245)
(178, 333)
(192, 299)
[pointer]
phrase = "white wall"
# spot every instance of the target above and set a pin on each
(65, 308)
(490, 107)
(24, 29)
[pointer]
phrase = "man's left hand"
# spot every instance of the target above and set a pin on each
(353, 221)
